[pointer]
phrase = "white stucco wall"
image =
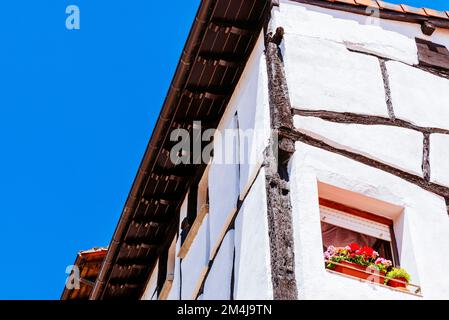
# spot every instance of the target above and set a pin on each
(175, 290)
(223, 183)
(252, 247)
(363, 33)
(195, 262)
(248, 110)
(419, 96)
(398, 147)
(439, 158)
(324, 75)
(150, 290)
(253, 109)
(423, 224)
(218, 283)
(391, 39)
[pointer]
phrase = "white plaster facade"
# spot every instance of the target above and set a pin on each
(230, 255)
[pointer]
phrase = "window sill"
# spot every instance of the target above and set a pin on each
(193, 231)
(376, 284)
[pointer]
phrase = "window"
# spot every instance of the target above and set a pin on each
(432, 54)
(342, 225)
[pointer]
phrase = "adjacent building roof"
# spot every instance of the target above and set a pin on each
(89, 263)
(220, 41)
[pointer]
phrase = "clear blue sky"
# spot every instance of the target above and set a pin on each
(76, 111)
(432, 4)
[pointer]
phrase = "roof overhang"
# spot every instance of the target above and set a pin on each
(220, 41)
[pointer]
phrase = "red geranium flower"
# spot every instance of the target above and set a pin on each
(354, 247)
(366, 251)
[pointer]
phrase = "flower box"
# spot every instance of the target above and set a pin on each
(396, 284)
(358, 271)
(366, 264)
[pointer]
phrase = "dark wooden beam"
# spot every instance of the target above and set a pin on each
(140, 245)
(203, 93)
(218, 62)
(241, 29)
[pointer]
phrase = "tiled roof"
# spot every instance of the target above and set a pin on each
(89, 263)
(401, 8)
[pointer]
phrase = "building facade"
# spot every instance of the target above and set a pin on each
(332, 127)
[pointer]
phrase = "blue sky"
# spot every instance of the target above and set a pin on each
(432, 4)
(76, 111)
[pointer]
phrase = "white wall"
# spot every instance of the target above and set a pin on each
(229, 182)
(322, 74)
(223, 182)
(175, 290)
(439, 155)
(252, 246)
(218, 283)
(398, 147)
(424, 223)
(150, 290)
(195, 262)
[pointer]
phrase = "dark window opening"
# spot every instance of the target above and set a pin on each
(162, 270)
(341, 237)
(187, 222)
(192, 205)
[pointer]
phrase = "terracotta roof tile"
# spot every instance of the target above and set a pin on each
(435, 13)
(368, 3)
(344, 1)
(390, 6)
(402, 8)
(409, 9)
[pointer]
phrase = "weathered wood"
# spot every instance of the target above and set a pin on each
(354, 118)
(426, 157)
(432, 54)
(386, 80)
(419, 181)
(277, 154)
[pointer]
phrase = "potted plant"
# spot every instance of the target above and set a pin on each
(397, 278)
(356, 261)
(365, 263)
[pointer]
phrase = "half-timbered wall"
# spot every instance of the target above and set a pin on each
(370, 126)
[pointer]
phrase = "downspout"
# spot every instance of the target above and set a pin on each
(194, 40)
